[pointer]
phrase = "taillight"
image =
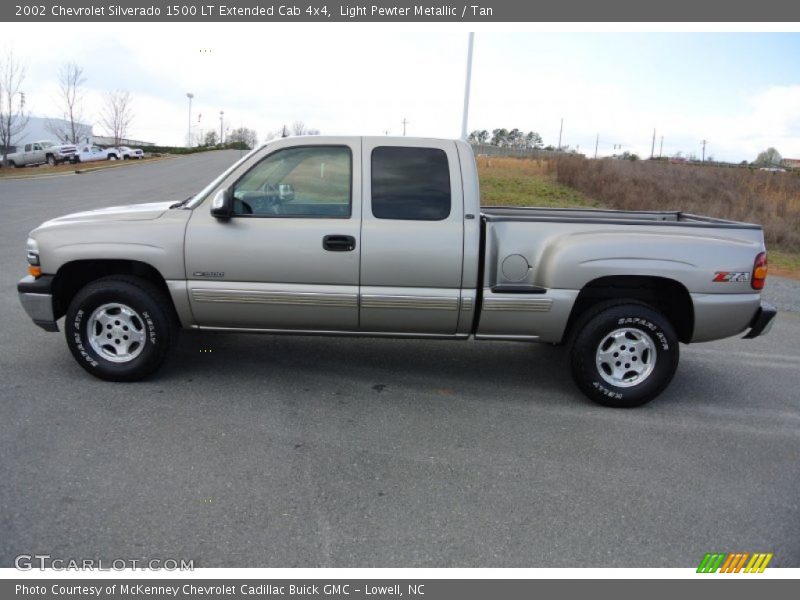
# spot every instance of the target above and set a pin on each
(759, 272)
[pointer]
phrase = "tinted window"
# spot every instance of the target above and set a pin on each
(411, 184)
(306, 181)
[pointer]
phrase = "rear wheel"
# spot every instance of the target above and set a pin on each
(624, 354)
(120, 328)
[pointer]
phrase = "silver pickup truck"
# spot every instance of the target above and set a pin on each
(378, 236)
(39, 153)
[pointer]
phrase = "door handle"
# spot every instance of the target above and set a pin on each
(339, 243)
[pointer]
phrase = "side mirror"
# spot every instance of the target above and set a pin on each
(222, 204)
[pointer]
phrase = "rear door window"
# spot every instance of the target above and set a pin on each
(410, 184)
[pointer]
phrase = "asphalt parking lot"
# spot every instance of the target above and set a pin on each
(297, 451)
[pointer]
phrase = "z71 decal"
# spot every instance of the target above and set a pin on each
(730, 276)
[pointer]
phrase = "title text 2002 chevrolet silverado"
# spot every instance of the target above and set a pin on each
(386, 237)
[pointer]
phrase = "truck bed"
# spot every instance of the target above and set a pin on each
(619, 217)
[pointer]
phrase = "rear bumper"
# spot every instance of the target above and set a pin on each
(36, 297)
(762, 321)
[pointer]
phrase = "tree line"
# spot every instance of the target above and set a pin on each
(509, 138)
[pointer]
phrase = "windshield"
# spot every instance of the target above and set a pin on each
(201, 195)
(45, 144)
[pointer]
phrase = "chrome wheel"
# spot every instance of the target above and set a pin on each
(116, 332)
(626, 357)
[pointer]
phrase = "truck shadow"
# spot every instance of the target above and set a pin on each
(489, 369)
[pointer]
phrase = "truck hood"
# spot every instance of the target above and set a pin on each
(131, 212)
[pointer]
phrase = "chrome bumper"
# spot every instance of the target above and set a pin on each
(37, 299)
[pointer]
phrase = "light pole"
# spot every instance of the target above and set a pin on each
(465, 116)
(189, 95)
(221, 114)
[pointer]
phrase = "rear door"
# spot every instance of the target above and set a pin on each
(412, 236)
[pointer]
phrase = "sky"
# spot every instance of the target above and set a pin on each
(738, 91)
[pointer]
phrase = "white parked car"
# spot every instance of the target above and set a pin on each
(92, 153)
(127, 153)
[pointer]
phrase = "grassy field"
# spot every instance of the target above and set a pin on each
(519, 182)
(772, 199)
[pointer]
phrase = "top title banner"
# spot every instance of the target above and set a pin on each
(403, 11)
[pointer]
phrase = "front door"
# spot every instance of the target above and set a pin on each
(289, 257)
(412, 237)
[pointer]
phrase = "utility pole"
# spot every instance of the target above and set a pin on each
(596, 144)
(189, 95)
(404, 122)
(560, 129)
(385, 132)
(653, 145)
(221, 114)
(466, 86)
(661, 149)
(704, 150)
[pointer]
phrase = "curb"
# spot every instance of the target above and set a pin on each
(122, 163)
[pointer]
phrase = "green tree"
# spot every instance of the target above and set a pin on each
(499, 137)
(533, 140)
(769, 158)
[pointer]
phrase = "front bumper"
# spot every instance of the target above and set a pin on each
(762, 322)
(36, 297)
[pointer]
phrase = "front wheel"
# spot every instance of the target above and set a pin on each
(624, 355)
(120, 328)
(51, 160)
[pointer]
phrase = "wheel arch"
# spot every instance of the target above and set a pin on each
(667, 295)
(74, 275)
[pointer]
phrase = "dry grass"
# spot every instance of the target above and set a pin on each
(523, 182)
(68, 168)
(771, 199)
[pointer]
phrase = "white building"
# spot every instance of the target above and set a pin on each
(56, 130)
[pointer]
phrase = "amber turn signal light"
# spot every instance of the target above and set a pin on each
(759, 277)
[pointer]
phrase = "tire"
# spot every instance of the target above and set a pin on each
(112, 157)
(120, 328)
(635, 332)
(11, 163)
(51, 160)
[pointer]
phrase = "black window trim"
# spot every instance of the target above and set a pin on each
(304, 146)
(449, 184)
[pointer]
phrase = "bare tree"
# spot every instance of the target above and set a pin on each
(210, 139)
(243, 135)
(117, 114)
(299, 128)
(13, 119)
(70, 96)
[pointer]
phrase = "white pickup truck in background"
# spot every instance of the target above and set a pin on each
(90, 153)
